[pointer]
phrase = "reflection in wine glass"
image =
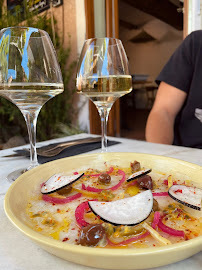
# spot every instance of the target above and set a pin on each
(29, 77)
(103, 76)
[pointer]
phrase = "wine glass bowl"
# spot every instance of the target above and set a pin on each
(103, 76)
(29, 76)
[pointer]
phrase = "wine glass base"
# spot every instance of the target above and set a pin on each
(14, 175)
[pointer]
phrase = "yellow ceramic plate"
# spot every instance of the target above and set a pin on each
(18, 195)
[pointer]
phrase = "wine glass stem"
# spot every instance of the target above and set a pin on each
(104, 114)
(31, 120)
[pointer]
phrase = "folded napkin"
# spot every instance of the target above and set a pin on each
(70, 151)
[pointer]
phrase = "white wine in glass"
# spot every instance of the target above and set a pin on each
(29, 76)
(103, 76)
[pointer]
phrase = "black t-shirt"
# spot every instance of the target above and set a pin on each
(184, 71)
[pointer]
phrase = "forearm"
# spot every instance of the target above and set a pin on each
(160, 125)
(159, 128)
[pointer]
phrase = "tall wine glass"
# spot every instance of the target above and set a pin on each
(103, 76)
(29, 77)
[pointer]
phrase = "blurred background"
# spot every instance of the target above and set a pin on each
(150, 30)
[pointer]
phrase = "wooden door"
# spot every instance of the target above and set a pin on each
(185, 18)
(95, 124)
(111, 31)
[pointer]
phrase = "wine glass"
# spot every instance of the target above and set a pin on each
(29, 77)
(103, 76)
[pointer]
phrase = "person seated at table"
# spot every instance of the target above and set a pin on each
(177, 112)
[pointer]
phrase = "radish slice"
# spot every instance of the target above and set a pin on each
(138, 174)
(189, 196)
(128, 211)
(59, 181)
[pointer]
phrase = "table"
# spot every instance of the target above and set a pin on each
(17, 252)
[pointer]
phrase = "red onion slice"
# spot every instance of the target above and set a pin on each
(98, 190)
(61, 200)
(169, 230)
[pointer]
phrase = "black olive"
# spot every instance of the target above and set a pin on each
(104, 178)
(145, 182)
(91, 235)
(135, 166)
(65, 190)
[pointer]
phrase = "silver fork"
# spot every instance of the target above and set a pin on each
(54, 151)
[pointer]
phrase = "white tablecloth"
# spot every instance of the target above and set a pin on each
(17, 252)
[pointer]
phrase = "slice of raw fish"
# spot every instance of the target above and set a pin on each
(189, 196)
(59, 181)
(129, 211)
(138, 174)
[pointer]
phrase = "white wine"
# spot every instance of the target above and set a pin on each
(104, 90)
(30, 96)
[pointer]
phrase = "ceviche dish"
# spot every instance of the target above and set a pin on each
(115, 207)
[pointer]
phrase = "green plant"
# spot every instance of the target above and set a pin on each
(59, 109)
(65, 130)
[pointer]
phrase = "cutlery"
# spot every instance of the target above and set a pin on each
(54, 150)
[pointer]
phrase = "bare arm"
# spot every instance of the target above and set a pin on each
(160, 124)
